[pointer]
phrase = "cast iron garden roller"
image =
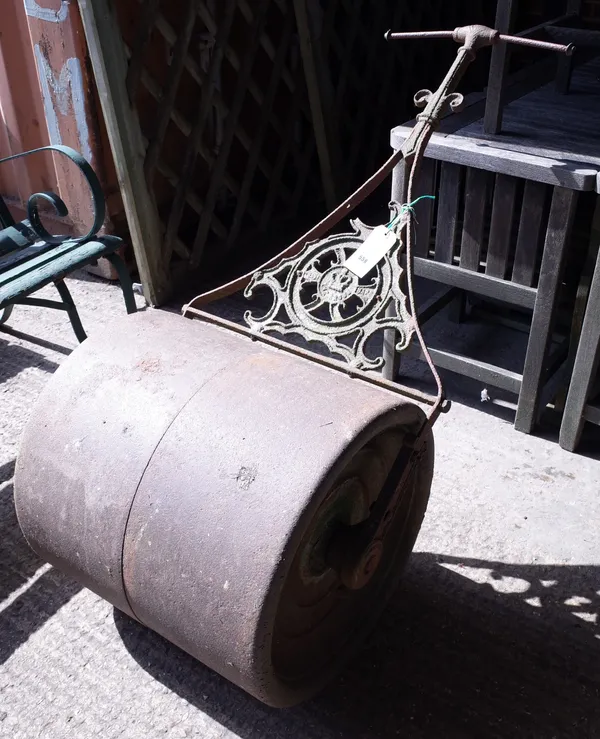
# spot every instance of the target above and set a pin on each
(250, 500)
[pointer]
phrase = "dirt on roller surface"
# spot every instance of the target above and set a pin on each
(494, 632)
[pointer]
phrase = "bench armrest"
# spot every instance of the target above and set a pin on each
(34, 222)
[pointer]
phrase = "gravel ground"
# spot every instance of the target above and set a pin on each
(493, 633)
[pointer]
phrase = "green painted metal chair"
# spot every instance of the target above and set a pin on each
(31, 257)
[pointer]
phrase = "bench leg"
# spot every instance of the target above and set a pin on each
(559, 229)
(5, 313)
(71, 309)
(585, 369)
(125, 280)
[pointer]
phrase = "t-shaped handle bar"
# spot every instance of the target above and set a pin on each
(476, 37)
(472, 39)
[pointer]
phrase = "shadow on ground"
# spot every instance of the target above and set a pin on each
(16, 358)
(40, 598)
(39, 341)
(465, 649)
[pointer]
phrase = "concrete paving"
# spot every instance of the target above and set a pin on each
(494, 632)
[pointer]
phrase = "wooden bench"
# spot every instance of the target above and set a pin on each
(31, 257)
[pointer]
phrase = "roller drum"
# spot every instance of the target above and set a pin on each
(194, 478)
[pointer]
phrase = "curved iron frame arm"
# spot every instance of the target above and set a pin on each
(353, 554)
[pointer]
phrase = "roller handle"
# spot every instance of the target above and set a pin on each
(477, 37)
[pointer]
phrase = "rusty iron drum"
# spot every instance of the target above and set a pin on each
(194, 477)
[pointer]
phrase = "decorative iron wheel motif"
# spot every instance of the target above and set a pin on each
(316, 297)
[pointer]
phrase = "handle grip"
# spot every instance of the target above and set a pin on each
(568, 50)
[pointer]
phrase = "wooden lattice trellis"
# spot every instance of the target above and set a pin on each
(362, 86)
(220, 165)
(217, 112)
(224, 115)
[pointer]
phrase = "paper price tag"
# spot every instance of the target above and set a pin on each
(375, 247)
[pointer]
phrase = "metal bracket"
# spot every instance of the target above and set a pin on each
(316, 297)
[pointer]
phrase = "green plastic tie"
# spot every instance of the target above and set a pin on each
(408, 207)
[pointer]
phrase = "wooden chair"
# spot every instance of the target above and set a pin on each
(579, 407)
(499, 230)
(506, 198)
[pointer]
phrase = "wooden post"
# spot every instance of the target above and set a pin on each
(492, 121)
(564, 70)
(585, 370)
(320, 93)
(109, 62)
(560, 223)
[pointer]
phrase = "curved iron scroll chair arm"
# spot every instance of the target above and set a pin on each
(35, 223)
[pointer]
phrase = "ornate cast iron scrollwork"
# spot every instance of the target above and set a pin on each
(34, 222)
(316, 297)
